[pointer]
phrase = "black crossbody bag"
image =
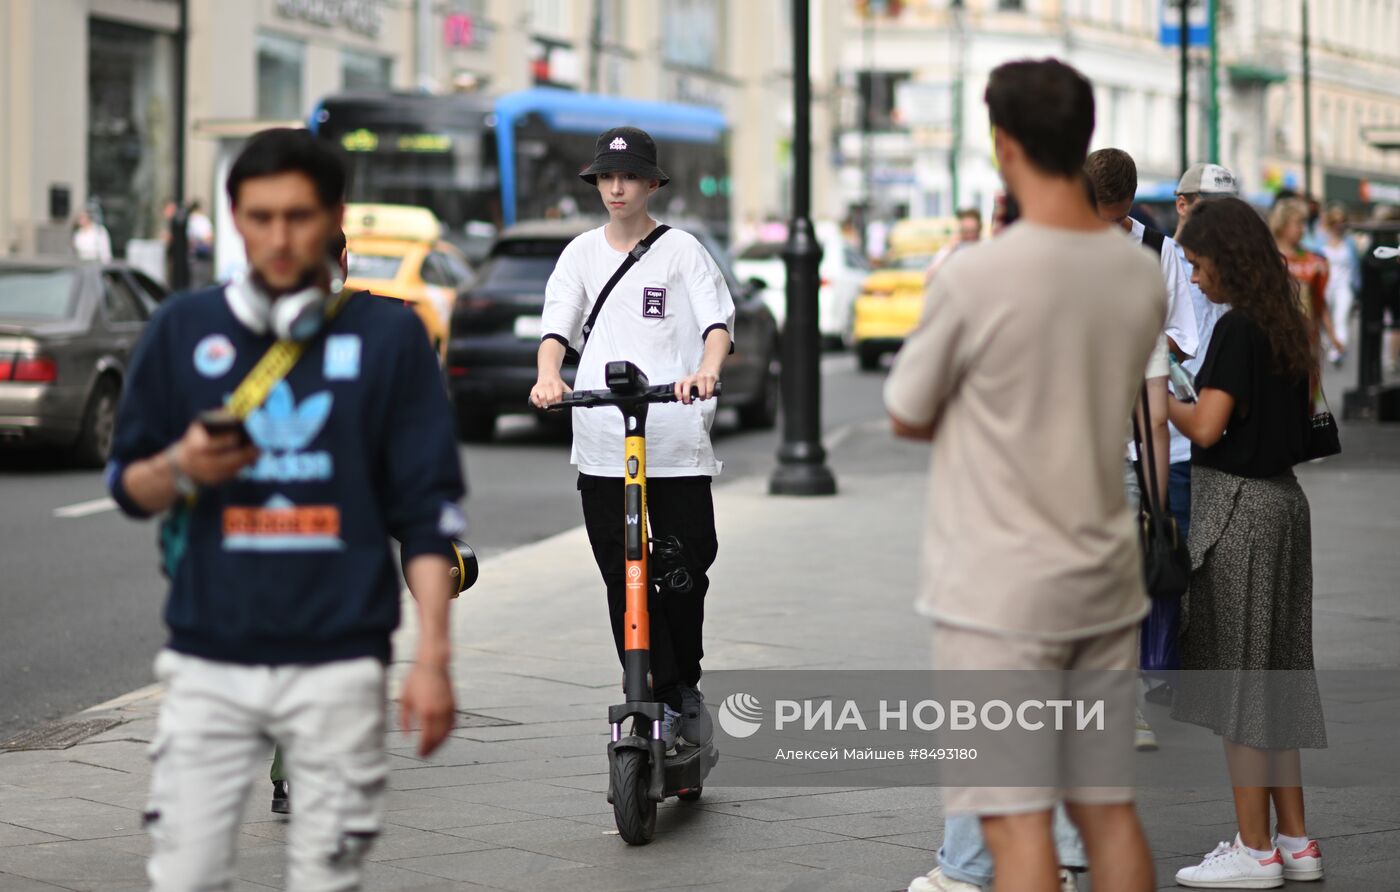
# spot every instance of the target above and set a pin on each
(1166, 562)
(634, 255)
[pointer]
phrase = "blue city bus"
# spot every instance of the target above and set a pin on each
(482, 163)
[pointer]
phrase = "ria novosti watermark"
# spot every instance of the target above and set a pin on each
(874, 728)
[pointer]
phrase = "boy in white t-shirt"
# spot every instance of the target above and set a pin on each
(671, 315)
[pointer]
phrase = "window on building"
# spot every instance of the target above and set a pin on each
(876, 90)
(362, 71)
(612, 25)
(553, 18)
(694, 33)
(130, 141)
(281, 61)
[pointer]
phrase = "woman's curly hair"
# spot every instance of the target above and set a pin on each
(1254, 277)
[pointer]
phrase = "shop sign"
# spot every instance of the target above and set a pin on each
(360, 16)
(1360, 190)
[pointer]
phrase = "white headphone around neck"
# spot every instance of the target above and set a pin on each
(296, 316)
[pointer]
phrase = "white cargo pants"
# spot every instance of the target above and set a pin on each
(217, 724)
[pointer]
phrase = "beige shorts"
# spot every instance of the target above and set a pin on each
(1063, 757)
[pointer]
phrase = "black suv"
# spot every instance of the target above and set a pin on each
(496, 331)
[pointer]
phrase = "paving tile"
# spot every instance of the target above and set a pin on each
(866, 856)
(869, 825)
(76, 865)
(446, 813)
(432, 776)
(12, 882)
(536, 798)
(74, 818)
(398, 842)
(507, 868)
(12, 835)
(523, 834)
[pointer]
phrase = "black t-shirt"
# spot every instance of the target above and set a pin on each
(1266, 430)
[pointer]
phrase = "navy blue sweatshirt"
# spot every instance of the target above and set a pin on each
(290, 561)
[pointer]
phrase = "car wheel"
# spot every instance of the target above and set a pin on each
(476, 424)
(868, 355)
(762, 413)
(99, 423)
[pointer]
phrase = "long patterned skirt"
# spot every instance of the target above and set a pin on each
(1248, 614)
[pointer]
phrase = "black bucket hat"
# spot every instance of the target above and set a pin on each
(625, 150)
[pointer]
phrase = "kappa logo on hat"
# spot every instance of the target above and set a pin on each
(618, 144)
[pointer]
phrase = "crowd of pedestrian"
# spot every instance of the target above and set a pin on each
(1038, 352)
(1033, 356)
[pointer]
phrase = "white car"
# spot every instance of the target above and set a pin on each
(842, 271)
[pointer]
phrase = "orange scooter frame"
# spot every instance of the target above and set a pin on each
(640, 772)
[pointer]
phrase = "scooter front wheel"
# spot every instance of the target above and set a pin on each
(633, 810)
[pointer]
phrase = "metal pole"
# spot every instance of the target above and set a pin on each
(178, 244)
(595, 49)
(1185, 42)
(425, 43)
(802, 469)
(959, 36)
(1214, 14)
(1307, 108)
(866, 156)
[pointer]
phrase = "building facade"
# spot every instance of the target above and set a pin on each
(915, 138)
(98, 129)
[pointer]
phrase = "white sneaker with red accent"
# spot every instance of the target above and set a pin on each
(1303, 866)
(1230, 866)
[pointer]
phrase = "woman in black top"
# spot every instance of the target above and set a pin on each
(1250, 603)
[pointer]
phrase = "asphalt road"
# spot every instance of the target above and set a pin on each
(80, 593)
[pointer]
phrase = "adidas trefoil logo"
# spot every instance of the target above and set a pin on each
(618, 144)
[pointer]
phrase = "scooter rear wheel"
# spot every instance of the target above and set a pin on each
(633, 810)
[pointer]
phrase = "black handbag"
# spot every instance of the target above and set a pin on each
(1166, 563)
(1322, 437)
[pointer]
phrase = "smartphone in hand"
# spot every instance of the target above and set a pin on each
(221, 421)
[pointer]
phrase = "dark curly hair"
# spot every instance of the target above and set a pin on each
(1254, 277)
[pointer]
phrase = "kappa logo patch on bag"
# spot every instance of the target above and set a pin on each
(654, 303)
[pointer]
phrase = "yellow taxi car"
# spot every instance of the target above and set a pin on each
(892, 297)
(888, 307)
(920, 235)
(398, 251)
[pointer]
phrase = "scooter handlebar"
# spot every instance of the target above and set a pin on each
(656, 393)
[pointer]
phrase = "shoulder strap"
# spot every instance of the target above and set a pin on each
(274, 365)
(1153, 239)
(631, 260)
(1145, 464)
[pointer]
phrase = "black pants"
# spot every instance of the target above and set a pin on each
(676, 506)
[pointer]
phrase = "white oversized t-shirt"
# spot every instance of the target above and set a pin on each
(657, 317)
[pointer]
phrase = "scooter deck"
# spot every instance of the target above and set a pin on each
(687, 769)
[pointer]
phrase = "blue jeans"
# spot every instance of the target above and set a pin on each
(964, 856)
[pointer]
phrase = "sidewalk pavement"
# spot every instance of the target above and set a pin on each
(515, 799)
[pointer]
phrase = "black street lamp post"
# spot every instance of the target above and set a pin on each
(802, 469)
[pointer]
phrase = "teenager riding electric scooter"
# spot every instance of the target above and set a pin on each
(640, 773)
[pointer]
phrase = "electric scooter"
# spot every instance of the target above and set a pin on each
(640, 774)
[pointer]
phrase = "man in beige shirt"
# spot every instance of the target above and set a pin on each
(1024, 372)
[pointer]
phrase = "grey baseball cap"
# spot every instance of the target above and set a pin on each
(1208, 180)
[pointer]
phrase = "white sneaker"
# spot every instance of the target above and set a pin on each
(1231, 867)
(1303, 866)
(1144, 739)
(935, 881)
